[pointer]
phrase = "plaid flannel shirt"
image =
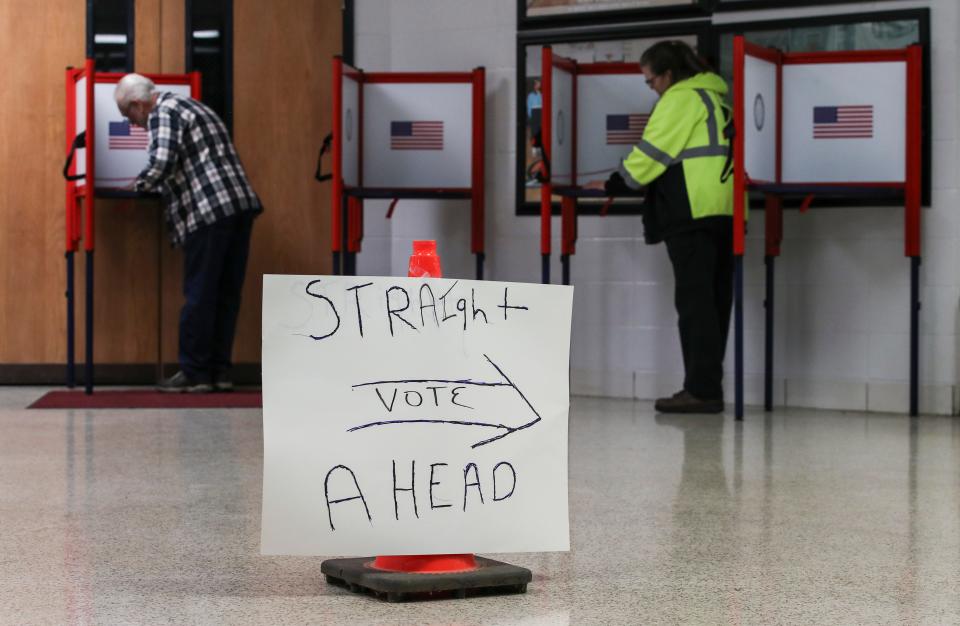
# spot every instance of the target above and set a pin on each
(194, 166)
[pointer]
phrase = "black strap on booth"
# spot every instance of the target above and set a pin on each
(80, 141)
(729, 132)
(323, 150)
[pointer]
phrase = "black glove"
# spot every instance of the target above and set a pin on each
(617, 186)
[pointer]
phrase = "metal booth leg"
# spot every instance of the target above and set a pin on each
(71, 360)
(768, 337)
(773, 226)
(480, 258)
(738, 336)
(89, 324)
(914, 336)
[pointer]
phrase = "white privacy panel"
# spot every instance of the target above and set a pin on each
(561, 127)
(121, 147)
(80, 98)
(612, 111)
(350, 132)
(844, 122)
(760, 119)
(417, 135)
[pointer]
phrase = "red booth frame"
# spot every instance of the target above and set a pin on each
(346, 208)
(774, 191)
(568, 193)
(81, 198)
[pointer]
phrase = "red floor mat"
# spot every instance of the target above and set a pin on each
(147, 399)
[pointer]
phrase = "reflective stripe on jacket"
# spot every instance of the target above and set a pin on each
(685, 135)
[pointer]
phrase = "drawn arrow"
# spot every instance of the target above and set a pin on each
(505, 430)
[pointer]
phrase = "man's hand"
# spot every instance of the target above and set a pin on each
(594, 184)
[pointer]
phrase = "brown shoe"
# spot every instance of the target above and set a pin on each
(686, 402)
(660, 401)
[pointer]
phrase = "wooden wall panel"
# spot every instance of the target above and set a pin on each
(172, 48)
(172, 57)
(37, 41)
(147, 35)
(282, 76)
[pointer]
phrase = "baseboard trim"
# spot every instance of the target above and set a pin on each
(55, 374)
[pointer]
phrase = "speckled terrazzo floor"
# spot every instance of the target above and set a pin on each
(802, 517)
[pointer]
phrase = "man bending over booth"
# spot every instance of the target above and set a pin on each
(210, 207)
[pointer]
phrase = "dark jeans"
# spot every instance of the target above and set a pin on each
(214, 265)
(702, 262)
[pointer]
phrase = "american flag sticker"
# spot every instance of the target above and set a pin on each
(626, 128)
(124, 136)
(420, 135)
(843, 122)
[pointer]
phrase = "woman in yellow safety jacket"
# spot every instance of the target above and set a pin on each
(682, 160)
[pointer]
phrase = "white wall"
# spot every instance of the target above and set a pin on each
(842, 285)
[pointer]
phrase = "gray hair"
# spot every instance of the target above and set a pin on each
(133, 88)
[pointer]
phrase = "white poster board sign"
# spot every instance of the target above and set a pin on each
(414, 416)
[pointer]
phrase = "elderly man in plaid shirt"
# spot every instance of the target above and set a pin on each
(210, 208)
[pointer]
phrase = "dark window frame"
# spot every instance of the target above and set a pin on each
(694, 9)
(131, 31)
(347, 38)
(719, 6)
(699, 29)
(227, 39)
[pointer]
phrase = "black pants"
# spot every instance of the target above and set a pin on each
(214, 265)
(702, 262)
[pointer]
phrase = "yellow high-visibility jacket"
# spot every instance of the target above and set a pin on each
(682, 155)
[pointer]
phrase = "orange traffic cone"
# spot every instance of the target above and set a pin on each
(420, 576)
(425, 263)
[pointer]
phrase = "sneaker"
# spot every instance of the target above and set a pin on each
(222, 382)
(686, 402)
(179, 383)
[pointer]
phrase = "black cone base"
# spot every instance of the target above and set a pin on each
(489, 578)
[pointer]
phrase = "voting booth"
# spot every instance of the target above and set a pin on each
(404, 135)
(104, 155)
(593, 114)
(836, 123)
